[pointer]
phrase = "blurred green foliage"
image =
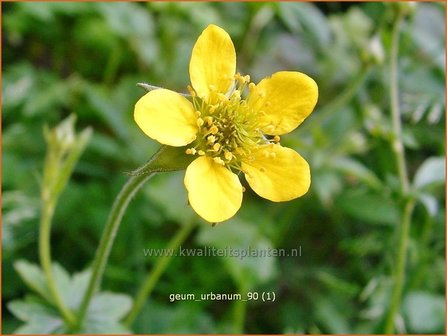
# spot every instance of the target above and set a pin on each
(86, 58)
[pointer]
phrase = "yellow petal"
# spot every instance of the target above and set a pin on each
(284, 100)
(214, 192)
(213, 62)
(167, 117)
(277, 173)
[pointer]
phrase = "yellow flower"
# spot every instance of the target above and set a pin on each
(229, 130)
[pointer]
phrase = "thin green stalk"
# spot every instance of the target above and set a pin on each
(45, 261)
(399, 276)
(152, 278)
(119, 206)
(398, 148)
(341, 100)
(240, 309)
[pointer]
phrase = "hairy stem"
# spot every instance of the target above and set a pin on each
(398, 148)
(119, 206)
(240, 309)
(401, 261)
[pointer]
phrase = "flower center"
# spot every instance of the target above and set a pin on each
(228, 127)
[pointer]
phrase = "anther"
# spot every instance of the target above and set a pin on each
(201, 152)
(218, 160)
(208, 120)
(216, 147)
(228, 156)
(251, 86)
(213, 129)
(277, 138)
(211, 139)
(191, 151)
(199, 122)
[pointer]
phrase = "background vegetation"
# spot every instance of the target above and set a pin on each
(85, 58)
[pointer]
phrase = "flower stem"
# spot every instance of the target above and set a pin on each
(149, 283)
(119, 206)
(240, 308)
(45, 260)
(398, 148)
(401, 260)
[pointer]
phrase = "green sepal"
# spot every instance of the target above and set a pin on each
(166, 159)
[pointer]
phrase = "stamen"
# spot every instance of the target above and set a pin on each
(228, 155)
(214, 129)
(208, 120)
(218, 160)
(191, 151)
(211, 139)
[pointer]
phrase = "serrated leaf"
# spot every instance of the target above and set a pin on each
(30, 310)
(431, 172)
(39, 317)
(63, 281)
(44, 326)
(34, 278)
(104, 327)
(109, 306)
(79, 284)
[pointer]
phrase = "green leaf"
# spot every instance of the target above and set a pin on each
(43, 326)
(104, 327)
(358, 170)
(30, 310)
(79, 284)
(109, 306)
(430, 173)
(34, 278)
(424, 312)
(429, 202)
(369, 207)
(63, 282)
(166, 159)
(39, 318)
